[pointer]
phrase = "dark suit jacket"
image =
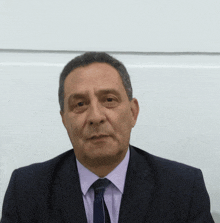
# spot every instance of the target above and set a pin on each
(156, 190)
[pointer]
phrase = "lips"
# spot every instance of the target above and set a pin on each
(98, 137)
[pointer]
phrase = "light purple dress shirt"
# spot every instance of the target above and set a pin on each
(113, 192)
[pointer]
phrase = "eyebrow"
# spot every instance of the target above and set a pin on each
(109, 91)
(99, 93)
(77, 96)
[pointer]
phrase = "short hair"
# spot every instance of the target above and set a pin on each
(89, 58)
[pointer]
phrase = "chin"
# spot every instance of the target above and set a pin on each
(102, 159)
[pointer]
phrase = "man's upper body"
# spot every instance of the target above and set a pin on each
(99, 112)
(155, 190)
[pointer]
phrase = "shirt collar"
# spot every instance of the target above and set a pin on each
(116, 176)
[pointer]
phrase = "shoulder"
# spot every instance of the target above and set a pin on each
(165, 169)
(178, 189)
(44, 171)
(47, 165)
(171, 179)
(31, 188)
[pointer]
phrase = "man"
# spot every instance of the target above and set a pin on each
(103, 178)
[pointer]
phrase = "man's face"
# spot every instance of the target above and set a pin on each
(97, 114)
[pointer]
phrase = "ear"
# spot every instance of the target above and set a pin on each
(63, 118)
(134, 110)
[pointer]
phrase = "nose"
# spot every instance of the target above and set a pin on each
(96, 114)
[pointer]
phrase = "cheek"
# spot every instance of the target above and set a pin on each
(123, 123)
(73, 128)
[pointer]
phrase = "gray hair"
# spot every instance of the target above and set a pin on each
(89, 58)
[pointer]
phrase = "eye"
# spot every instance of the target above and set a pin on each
(109, 99)
(80, 104)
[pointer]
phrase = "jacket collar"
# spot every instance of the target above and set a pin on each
(136, 198)
(68, 197)
(138, 189)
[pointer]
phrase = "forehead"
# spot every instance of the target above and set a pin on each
(93, 77)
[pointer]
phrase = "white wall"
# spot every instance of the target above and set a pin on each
(116, 25)
(179, 94)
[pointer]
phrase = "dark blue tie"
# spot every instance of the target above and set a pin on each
(100, 212)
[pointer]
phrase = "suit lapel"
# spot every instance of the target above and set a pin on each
(68, 194)
(138, 189)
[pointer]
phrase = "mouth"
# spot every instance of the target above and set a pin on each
(98, 137)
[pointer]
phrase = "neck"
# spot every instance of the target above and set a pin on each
(103, 165)
(102, 171)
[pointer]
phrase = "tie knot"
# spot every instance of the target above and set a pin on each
(100, 185)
